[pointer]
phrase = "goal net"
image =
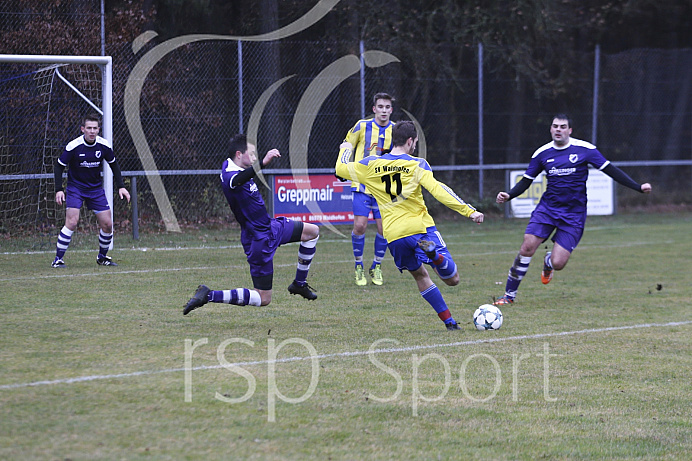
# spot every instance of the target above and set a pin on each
(43, 100)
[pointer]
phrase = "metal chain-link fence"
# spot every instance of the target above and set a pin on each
(196, 96)
(190, 110)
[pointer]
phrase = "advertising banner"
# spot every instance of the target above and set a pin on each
(318, 199)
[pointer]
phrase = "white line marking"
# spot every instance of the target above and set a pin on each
(206, 268)
(83, 379)
(145, 249)
(62, 274)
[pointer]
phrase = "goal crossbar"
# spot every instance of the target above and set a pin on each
(56, 59)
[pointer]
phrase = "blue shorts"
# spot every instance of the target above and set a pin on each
(570, 227)
(363, 204)
(260, 250)
(409, 256)
(95, 198)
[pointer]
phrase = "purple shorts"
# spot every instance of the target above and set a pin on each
(363, 204)
(260, 250)
(95, 198)
(570, 227)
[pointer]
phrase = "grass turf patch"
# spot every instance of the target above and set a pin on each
(93, 358)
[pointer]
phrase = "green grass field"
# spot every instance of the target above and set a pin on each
(100, 363)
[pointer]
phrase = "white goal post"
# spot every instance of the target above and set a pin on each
(105, 63)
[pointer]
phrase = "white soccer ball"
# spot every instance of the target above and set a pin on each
(487, 317)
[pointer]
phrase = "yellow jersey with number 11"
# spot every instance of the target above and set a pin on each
(395, 181)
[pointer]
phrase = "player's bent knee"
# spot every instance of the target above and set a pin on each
(452, 281)
(360, 224)
(558, 266)
(310, 232)
(360, 229)
(105, 225)
(527, 250)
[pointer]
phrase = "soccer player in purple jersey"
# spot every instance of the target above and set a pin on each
(259, 234)
(562, 207)
(84, 156)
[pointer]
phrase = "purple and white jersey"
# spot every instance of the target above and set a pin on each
(246, 203)
(567, 169)
(84, 162)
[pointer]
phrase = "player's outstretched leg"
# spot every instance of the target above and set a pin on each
(199, 299)
(236, 296)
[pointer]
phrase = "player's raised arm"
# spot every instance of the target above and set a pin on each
(271, 155)
(623, 178)
(445, 195)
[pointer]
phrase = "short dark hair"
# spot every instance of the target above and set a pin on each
(562, 117)
(401, 131)
(386, 96)
(91, 118)
(238, 144)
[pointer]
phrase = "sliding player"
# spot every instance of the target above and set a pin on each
(259, 234)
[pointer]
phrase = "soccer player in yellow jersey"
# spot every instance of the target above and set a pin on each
(370, 136)
(395, 180)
